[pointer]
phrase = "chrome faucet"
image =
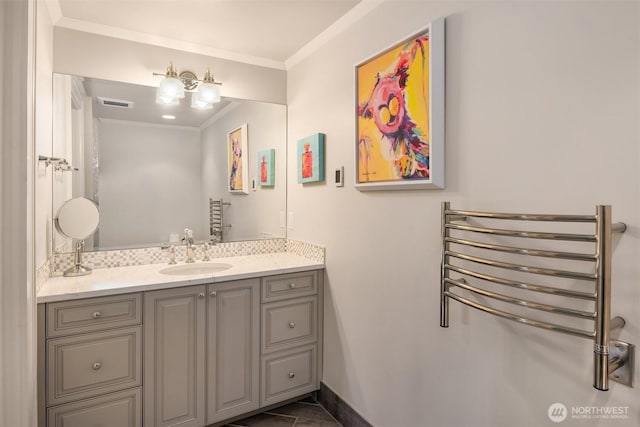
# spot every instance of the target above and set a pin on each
(191, 247)
(205, 249)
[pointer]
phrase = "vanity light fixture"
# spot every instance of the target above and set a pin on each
(172, 88)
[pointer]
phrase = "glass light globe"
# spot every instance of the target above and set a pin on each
(209, 93)
(170, 91)
(197, 103)
(166, 100)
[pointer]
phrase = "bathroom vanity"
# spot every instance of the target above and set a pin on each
(131, 346)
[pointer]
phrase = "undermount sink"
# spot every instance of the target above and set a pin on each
(200, 268)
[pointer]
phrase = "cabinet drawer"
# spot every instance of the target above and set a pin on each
(289, 323)
(88, 365)
(94, 314)
(287, 375)
(121, 409)
(275, 288)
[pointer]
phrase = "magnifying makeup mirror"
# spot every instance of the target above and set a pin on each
(77, 219)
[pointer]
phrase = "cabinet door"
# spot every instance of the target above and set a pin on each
(174, 365)
(233, 349)
(289, 374)
(89, 365)
(121, 409)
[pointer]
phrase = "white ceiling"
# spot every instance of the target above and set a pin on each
(260, 31)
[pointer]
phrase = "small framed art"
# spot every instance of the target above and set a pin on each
(238, 161)
(311, 159)
(266, 167)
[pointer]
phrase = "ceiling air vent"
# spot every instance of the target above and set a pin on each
(119, 103)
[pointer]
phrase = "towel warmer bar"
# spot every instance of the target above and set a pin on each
(617, 362)
(216, 219)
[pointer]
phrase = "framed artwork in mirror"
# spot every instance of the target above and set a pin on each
(400, 114)
(238, 161)
(266, 167)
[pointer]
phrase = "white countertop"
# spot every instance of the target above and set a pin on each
(135, 278)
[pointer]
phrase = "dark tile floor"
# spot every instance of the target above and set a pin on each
(303, 413)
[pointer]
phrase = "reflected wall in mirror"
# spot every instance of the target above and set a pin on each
(152, 177)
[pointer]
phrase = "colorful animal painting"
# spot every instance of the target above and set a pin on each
(237, 158)
(394, 113)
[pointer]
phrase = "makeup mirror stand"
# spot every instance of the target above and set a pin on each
(77, 219)
(78, 269)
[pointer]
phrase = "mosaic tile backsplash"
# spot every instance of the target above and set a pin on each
(42, 274)
(307, 250)
(156, 255)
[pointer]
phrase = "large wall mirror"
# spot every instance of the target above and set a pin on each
(152, 176)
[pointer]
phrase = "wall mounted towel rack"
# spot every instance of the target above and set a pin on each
(216, 219)
(59, 164)
(473, 250)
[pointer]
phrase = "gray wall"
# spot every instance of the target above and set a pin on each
(44, 146)
(148, 174)
(541, 116)
(17, 290)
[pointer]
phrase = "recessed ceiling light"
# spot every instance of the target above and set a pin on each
(168, 116)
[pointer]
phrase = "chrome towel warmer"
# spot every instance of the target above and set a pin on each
(617, 362)
(216, 219)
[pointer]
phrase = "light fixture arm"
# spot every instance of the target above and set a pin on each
(188, 78)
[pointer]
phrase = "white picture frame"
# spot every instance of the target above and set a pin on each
(383, 140)
(238, 160)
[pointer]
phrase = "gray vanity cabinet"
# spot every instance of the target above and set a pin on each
(291, 324)
(233, 349)
(194, 330)
(188, 356)
(174, 362)
(90, 362)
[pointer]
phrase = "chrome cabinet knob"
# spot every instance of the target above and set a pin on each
(291, 375)
(96, 314)
(96, 366)
(292, 325)
(292, 285)
(201, 295)
(213, 294)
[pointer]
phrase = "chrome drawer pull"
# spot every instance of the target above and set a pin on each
(213, 293)
(96, 314)
(201, 295)
(291, 375)
(292, 325)
(96, 366)
(292, 285)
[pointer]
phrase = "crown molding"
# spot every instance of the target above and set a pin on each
(134, 36)
(55, 12)
(342, 24)
(148, 124)
(332, 31)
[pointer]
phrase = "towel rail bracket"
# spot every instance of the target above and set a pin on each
(622, 362)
